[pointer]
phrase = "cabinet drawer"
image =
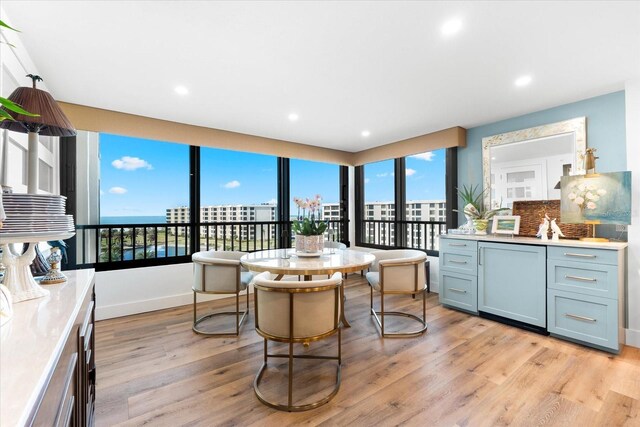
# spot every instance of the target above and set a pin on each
(457, 245)
(459, 290)
(462, 262)
(585, 318)
(599, 256)
(585, 278)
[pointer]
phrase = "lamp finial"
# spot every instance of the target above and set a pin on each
(34, 78)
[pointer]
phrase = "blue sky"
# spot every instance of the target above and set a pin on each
(425, 178)
(142, 177)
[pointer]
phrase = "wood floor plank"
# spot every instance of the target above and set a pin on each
(466, 370)
(619, 410)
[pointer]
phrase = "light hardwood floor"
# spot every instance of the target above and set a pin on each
(466, 371)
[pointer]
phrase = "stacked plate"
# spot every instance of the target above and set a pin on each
(35, 213)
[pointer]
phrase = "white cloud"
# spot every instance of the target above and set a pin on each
(366, 180)
(427, 157)
(410, 171)
(131, 163)
(232, 184)
(271, 202)
(117, 190)
(101, 192)
(382, 175)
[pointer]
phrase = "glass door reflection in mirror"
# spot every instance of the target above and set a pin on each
(529, 170)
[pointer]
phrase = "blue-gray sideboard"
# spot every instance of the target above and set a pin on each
(574, 290)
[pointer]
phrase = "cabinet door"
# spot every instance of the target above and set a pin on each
(512, 282)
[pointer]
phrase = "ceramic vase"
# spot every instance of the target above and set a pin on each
(481, 225)
(309, 244)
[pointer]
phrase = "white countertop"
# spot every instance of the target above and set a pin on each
(536, 241)
(31, 342)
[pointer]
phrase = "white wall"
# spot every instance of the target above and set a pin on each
(138, 290)
(632, 100)
(15, 64)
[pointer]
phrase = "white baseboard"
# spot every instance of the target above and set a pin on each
(144, 306)
(632, 337)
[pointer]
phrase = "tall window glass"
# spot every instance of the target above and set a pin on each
(379, 205)
(238, 198)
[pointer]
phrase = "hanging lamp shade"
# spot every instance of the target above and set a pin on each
(51, 121)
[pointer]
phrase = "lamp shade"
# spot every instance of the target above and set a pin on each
(51, 120)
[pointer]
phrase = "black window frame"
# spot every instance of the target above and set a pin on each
(400, 191)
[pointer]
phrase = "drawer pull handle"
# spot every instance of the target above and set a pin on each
(583, 318)
(579, 255)
(456, 261)
(583, 279)
(460, 291)
(462, 245)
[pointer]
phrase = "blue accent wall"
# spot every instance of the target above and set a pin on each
(605, 131)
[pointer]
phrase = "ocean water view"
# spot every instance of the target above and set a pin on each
(157, 219)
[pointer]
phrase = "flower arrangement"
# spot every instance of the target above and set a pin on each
(308, 223)
(585, 196)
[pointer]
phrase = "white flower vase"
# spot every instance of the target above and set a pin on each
(309, 244)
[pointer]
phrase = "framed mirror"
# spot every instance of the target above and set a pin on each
(527, 164)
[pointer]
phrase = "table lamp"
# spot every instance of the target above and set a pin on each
(51, 121)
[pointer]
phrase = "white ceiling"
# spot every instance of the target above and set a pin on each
(343, 67)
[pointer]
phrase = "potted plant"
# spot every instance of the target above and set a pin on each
(474, 209)
(309, 230)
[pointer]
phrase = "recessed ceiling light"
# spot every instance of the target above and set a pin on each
(451, 27)
(493, 158)
(523, 81)
(181, 90)
(293, 117)
(365, 133)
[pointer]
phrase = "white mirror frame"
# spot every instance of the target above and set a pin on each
(578, 126)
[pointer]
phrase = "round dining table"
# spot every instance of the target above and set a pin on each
(283, 262)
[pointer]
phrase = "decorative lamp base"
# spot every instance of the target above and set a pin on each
(53, 277)
(18, 278)
(594, 239)
(593, 233)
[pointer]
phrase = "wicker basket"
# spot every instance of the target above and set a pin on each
(532, 212)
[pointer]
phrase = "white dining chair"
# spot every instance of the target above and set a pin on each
(297, 312)
(398, 271)
(220, 272)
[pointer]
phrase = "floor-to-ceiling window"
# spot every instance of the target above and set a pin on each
(425, 198)
(379, 203)
(403, 201)
(308, 179)
(238, 195)
(140, 180)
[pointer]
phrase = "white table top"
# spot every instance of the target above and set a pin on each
(273, 261)
(31, 342)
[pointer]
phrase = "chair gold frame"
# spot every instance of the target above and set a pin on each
(290, 407)
(379, 315)
(240, 316)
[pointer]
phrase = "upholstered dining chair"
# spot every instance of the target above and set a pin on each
(330, 244)
(297, 312)
(335, 245)
(398, 271)
(220, 272)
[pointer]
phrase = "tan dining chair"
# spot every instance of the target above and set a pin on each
(297, 312)
(220, 272)
(398, 271)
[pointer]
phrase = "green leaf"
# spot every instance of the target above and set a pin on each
(3, 24)
(12, 106)
(5, 116)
